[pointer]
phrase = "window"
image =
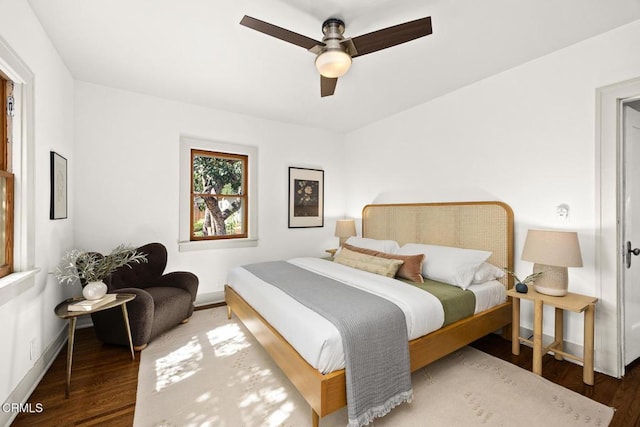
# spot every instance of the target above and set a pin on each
(218, 195)
(17, 204)
(6, 179)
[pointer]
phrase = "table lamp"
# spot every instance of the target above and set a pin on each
(345, 228)
(552, 252)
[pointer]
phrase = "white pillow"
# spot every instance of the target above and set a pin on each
(387, 246)
(487, 272)
(447, 264)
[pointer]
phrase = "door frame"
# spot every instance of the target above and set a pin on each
(623, 236)
(609, 239)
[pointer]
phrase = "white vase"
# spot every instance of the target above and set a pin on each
(94, 290)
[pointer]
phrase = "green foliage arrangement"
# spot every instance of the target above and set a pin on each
(95, 267)
(528, 279)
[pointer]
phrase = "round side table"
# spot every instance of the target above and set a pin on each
(63, 312)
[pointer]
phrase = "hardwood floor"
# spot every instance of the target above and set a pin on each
(104, 382)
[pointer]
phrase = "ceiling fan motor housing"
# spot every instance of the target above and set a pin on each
(334, 60)
(333, 29)
(333, 24)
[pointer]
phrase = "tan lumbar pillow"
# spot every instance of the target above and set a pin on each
(411, 269)
(373, 264)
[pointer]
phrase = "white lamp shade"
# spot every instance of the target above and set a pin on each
(333, 63)
(345, 228)
(555, 248)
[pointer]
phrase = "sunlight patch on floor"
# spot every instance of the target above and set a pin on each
(218, 379)
(227, 340)
(280, 415)
(203, 397)
(178, 365)
(263, 401)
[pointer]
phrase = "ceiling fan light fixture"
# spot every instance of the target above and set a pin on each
(333, 63)
(334, 52)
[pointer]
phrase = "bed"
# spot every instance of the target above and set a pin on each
(484, 226)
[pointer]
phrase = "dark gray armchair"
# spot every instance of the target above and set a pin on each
(162, 300)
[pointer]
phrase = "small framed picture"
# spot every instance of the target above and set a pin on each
(58, 209)
(306, 198)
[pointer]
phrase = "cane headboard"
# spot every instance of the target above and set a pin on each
(471, 225)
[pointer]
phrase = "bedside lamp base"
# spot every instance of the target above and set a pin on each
(553, 282)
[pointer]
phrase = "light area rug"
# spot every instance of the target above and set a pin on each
(212, 372)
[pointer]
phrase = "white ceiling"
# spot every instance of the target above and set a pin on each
(195, 50)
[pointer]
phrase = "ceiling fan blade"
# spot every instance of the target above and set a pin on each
(391, 36)
(280, 33)
(327, 86)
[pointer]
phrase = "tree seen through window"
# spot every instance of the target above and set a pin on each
(218, 195)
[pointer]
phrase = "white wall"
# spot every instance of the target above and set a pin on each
(27, 314)
(127, 148)
(525, 136)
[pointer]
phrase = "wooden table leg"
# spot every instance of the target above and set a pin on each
(537, 337)
(589, 322)
(515, 326)
(315, 418)
(126, 324)
(559, 332)
(72, 330)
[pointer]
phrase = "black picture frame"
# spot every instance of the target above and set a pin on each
(58, 205)
(306, 197)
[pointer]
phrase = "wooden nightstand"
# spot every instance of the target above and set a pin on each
(572, 302)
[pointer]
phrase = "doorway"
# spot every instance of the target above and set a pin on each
(629, 226)
(609, 261)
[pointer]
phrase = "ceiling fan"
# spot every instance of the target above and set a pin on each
(334, 52)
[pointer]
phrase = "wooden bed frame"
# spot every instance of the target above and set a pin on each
(473, 225)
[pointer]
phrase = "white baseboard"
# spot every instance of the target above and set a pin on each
(209, 298)
(23, 390)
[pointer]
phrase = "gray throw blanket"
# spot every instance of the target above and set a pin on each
(373, 331)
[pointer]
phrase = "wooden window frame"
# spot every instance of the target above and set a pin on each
(4, 125)
(244, 195)
(7, 267)
(5, 172)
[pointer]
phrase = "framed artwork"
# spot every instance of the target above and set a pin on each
(58, 208)
(306, 198)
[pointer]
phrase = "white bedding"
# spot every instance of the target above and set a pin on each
(315, 338)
